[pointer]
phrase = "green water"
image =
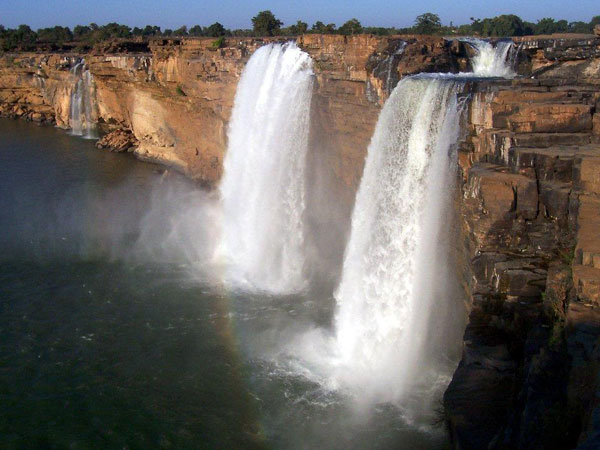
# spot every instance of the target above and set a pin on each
(106, 346)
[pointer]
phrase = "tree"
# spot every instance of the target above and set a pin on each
(216, 30)
(427, 23)
(265, 24)
(320, 27)
(181, 31)
(296, 29)
(151, 30)
(196, 30)
(353, 26)
(504, 25)
(548, 25)
(579, 27)
(379, 31)
(22, 38)
(115, 30)
(54, 35)
(528, 28)
(81, 31)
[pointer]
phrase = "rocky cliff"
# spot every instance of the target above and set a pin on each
(529, 378)
(529, 203)
(175, 95)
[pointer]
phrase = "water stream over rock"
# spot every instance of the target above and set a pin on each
(263, 188)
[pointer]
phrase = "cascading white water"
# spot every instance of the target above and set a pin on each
(263, 185)
(395, 262)
(82, 107)
(391, 336)
(389, 64)
(489, 60)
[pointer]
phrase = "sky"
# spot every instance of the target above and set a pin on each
(238, 13)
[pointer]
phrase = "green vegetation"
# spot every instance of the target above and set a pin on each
(82, 37)
(428, 23)
(265, 24)
(353, 26)
(218, 43)
(180, 91)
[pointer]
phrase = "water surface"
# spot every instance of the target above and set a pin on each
(104, 344)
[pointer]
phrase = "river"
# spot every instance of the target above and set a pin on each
(106, 343)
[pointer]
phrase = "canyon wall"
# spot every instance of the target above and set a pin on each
(529, 378)
(174, 96)
(529, 192)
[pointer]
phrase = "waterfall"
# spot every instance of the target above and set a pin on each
(394, 330)
(394, 271)
(491, 61)
(263, 186)
(82, 102)
(386, 68)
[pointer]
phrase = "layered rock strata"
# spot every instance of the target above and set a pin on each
(175, 95)
(529, 374)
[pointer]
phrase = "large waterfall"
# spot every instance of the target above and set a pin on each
(263, 186)
(395, 266)
(393, 326)
(82, 102)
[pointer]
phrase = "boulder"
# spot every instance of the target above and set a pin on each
(118, 141)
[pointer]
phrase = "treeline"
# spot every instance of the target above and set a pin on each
(266, 24)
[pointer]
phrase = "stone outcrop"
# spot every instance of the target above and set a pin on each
(175, 95)
(531, 214)
(118, 141)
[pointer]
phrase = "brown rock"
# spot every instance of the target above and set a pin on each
(542, 118)
(554, 197)
(587, 251)
(502, 193)
(589, 173)
(587, 283)
(118, 141)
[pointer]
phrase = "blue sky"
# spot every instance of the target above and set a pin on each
(238, 13)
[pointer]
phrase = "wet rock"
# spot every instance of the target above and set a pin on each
(118, 141)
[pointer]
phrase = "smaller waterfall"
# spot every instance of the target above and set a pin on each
(492, 61)
(82, 102)
(263, 186)
(386, 68)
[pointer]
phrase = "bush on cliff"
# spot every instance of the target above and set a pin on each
(218, 43)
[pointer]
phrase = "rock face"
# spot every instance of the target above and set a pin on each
(529, 374)
(118, 141)
(175, 95)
